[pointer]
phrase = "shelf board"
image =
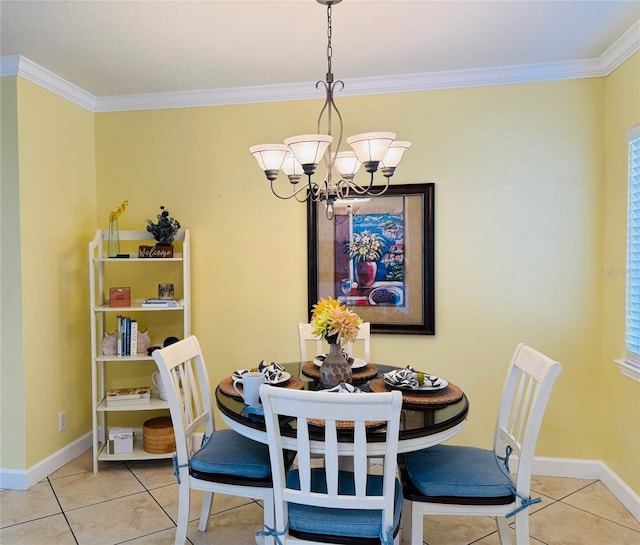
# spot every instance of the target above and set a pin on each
(137, 307)
(138, 454)
(134, 258)
(137, 357)
(154, 404)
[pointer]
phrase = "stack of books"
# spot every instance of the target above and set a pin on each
(127, 336)
(128, 397)
(159, 303)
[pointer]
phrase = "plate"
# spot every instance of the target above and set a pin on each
(386, 295)
(424, 389)
(357, 362)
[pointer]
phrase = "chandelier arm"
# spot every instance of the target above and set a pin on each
(287, 197)
(342, 189)
(381, 191)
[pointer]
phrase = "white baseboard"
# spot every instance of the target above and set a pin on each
(590, 469)
(24, 479)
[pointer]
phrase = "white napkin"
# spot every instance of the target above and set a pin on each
(407, 378)
(237, 375)
(272, 371)
(344, 388)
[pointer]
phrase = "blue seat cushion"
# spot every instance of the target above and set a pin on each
(227, 453)
(457, 474)
(358, 523)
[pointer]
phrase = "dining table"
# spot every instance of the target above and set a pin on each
(427, 418)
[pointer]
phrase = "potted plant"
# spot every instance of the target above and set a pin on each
(365, 248)
(164, 232)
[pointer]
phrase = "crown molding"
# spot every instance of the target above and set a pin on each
(17, 65)
(616, 54)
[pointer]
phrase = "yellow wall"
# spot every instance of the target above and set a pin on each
(519, 189)
(522, 196)
(621, 410)
(57, 212)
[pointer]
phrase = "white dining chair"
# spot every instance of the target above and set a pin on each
(328, 504)
(461, 480)
(361, 348)
(226, 462)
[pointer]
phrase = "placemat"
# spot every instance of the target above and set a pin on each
(450, 394)
(226, 386)
(362, 374)
(347, 424)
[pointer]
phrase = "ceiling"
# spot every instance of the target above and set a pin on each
(111, 48)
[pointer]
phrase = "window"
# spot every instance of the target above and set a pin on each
(631, 364)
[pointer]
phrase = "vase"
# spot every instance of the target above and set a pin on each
(114, 238)
(366, 273)
(335, 368)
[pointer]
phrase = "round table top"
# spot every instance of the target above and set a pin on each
(421, 426)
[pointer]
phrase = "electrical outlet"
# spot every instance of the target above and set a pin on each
(62, 420)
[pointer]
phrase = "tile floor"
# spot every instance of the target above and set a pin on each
(136, 503)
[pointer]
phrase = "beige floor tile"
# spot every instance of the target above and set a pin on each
(560, 524)
(84, 489)
(153, 473)
(22, 505)
(557, 487)
(493, 539)
(235, 527)
(167, 497)
(456, 530)
(165, 537)
(598, 499)
(81, 464)
(118, 520)
(52, 530)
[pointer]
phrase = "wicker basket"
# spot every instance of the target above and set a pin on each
(158, 437)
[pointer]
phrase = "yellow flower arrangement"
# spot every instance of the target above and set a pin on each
(330, 317)
(115, 214)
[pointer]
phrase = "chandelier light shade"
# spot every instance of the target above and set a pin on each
(308, 149)
(371, 147)
(346, 164)
(270, 158)
(291, 168)
(303, 153)
(393, 157)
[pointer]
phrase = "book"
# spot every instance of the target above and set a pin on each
(133, 343)
(137, 395)
(159, 303)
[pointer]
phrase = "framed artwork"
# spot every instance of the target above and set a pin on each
(377, 257)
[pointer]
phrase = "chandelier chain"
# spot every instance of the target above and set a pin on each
(329, 48)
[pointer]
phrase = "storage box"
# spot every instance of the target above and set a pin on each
(120, 440)
(119, 297)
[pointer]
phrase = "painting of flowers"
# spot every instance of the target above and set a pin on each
(378, 256)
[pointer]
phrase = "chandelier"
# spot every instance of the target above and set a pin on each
(300, 155)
